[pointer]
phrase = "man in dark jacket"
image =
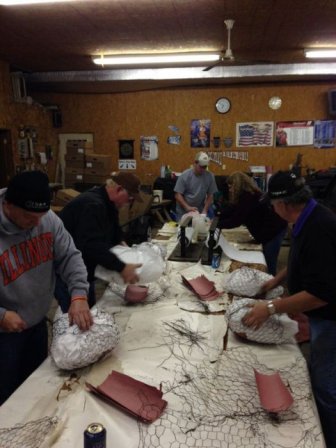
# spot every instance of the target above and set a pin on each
(311, 283)
(92, 219)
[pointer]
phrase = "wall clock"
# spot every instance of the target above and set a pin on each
(274, 102)
(223, 105)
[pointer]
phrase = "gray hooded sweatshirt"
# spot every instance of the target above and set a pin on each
(29, 261)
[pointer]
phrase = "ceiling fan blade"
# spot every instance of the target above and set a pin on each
(213, 65)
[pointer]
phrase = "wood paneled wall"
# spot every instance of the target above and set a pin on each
(131, 115)
(13, 114)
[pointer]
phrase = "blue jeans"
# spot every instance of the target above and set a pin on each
(20, 354)
(323, 374)
(271, 251)
(63, 297)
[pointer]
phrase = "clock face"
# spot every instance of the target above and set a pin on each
(223, 105)
(275, 102)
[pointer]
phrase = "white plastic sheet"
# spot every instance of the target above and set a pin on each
(150, 256)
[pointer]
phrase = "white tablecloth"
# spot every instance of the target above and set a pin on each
(211, 392)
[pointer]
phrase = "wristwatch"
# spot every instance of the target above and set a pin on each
(270, 307)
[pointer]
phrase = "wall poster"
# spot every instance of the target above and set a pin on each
(200, 133)
(324, 133)
(149, 149)
(294, 133)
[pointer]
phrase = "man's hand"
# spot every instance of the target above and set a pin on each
(129, 274)
(257, 316)
(12, 322)
(191, 209)
(79, 313)
(267, 286)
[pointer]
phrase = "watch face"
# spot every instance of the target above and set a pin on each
(223, 105)
(275, 102)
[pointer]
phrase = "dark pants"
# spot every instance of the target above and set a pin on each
(20, 354)
(63, 297)
(323, 374)
(271, 251)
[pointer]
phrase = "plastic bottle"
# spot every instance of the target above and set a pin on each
(168, 172)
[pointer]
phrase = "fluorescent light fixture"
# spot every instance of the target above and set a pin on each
(168, 58)
(321, 53)
(29, 2)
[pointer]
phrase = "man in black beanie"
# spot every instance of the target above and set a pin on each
(34, 247)
(310, 277)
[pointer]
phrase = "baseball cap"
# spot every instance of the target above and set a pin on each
(29, 190)
(284, 184)
(130, 182)
(202, 158)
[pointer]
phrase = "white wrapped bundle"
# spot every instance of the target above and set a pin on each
(246, 282)
(149, 255)
(72, 348)
(277, 329)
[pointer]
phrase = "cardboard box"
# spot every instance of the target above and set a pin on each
(76, 161)
(95, 178)
(65, 195)
(75, 152)
(79, 144)
(101, 163)
(78, 147)
(56, 208)
(73, 175)
(141, 208)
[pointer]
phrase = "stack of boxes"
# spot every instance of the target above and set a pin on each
(82, 165)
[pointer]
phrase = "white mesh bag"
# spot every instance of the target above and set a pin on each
(246, 282)
(277, 329)
(72, 348)
(150, 255)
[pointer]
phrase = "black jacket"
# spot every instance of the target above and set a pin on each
(93, 222)
(260, 219)
(312, 261)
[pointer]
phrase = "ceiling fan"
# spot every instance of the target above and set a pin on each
(227, 55)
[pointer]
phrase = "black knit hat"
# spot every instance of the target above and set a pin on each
(284, 184)
(29, 190)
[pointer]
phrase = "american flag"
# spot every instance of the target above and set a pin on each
(246, 135)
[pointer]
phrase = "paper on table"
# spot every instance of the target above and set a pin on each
(135, 397)
(274, 395)
(245, 256)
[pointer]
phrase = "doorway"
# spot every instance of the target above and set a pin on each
(7, 169)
